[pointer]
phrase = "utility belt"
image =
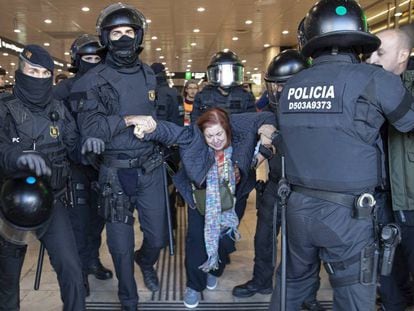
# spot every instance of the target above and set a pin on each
(146, 164)
(362, 205)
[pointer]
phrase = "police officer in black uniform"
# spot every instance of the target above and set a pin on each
(225, 75)
(107, 98)
(330, 118)
(86, 53)
(167, 107)
(38, 133)
(280, 70)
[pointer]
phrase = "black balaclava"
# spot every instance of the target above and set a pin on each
(85, 66)
(123, 53)
(36, 93)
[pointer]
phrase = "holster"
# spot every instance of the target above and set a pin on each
(60, 174)
(114, 205)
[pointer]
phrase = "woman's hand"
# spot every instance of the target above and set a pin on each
(265, 132)
(135, 120)
(237, 173)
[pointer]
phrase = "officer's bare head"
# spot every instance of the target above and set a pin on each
(394, 52)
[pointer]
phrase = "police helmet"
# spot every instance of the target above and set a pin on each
(282, 67)
(301, 35)
(225, 69)
(337, 23)
(120, 14)
(84, 45)
(26, 205)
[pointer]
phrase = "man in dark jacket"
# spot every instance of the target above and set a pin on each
(38, 133)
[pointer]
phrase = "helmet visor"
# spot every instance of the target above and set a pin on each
(274, 89)
(226, 74)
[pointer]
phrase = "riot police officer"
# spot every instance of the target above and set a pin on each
(280, 70)
(107, 99)
(167, 106)
(225, 75)
(37, 133)
(330, 118)
(86, 52)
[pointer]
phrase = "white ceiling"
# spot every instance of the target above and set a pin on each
(172, 22)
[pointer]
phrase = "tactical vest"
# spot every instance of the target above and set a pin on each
(401, 160)
(39, 133)
(111, 91)
(162, 102)
(330, 130)
(235, 102)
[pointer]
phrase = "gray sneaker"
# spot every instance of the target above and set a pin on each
(191, 298)
(211, 281)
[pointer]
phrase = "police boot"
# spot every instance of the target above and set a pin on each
(149, 275)
(99, 271)
(251, 288)
(86, 284)
(312, 306)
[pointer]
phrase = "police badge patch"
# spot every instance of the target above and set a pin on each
(151, 95)
(54, 131)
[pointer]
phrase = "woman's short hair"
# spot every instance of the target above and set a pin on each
(215, 116)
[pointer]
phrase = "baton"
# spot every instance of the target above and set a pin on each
(167, 204)
(39, 266)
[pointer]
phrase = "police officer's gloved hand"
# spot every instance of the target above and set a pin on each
(92, 144)
(35, 163)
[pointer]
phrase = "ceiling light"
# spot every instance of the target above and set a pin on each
(397, 14)
(201, 9)
(5, 54)
(68, 65)
(17, 30)
(162, 57)
(285, 32)
(59, 70)
(7, 81)
(266, 45)
(158, 49)
(71, 73)
(188, 66)
(248, 22)
(255, 68)
(243, 61)
(149, 21)
(46, 44)
(48, 21)
(248, 72)
(196, 30)
(164, 63)
(193, 44)
(190, 61)
(11, 77)
(166, 68)
(85, 9)
(187, 70)
(66, 53)
(226, 50)
(235, 38)
(13, 64)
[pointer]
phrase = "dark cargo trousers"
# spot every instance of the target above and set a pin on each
(87, 224)
(320, 230)
(149, 200)
(61, 247)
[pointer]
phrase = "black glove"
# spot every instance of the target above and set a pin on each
(35, 163)
(92, 144)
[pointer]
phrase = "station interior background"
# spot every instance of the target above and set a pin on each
(182, 34)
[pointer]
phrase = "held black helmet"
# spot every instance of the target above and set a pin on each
(225, 69)
(337, 23)
(84, 45)
(119, 14)
(26, 205)
(282, 67)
